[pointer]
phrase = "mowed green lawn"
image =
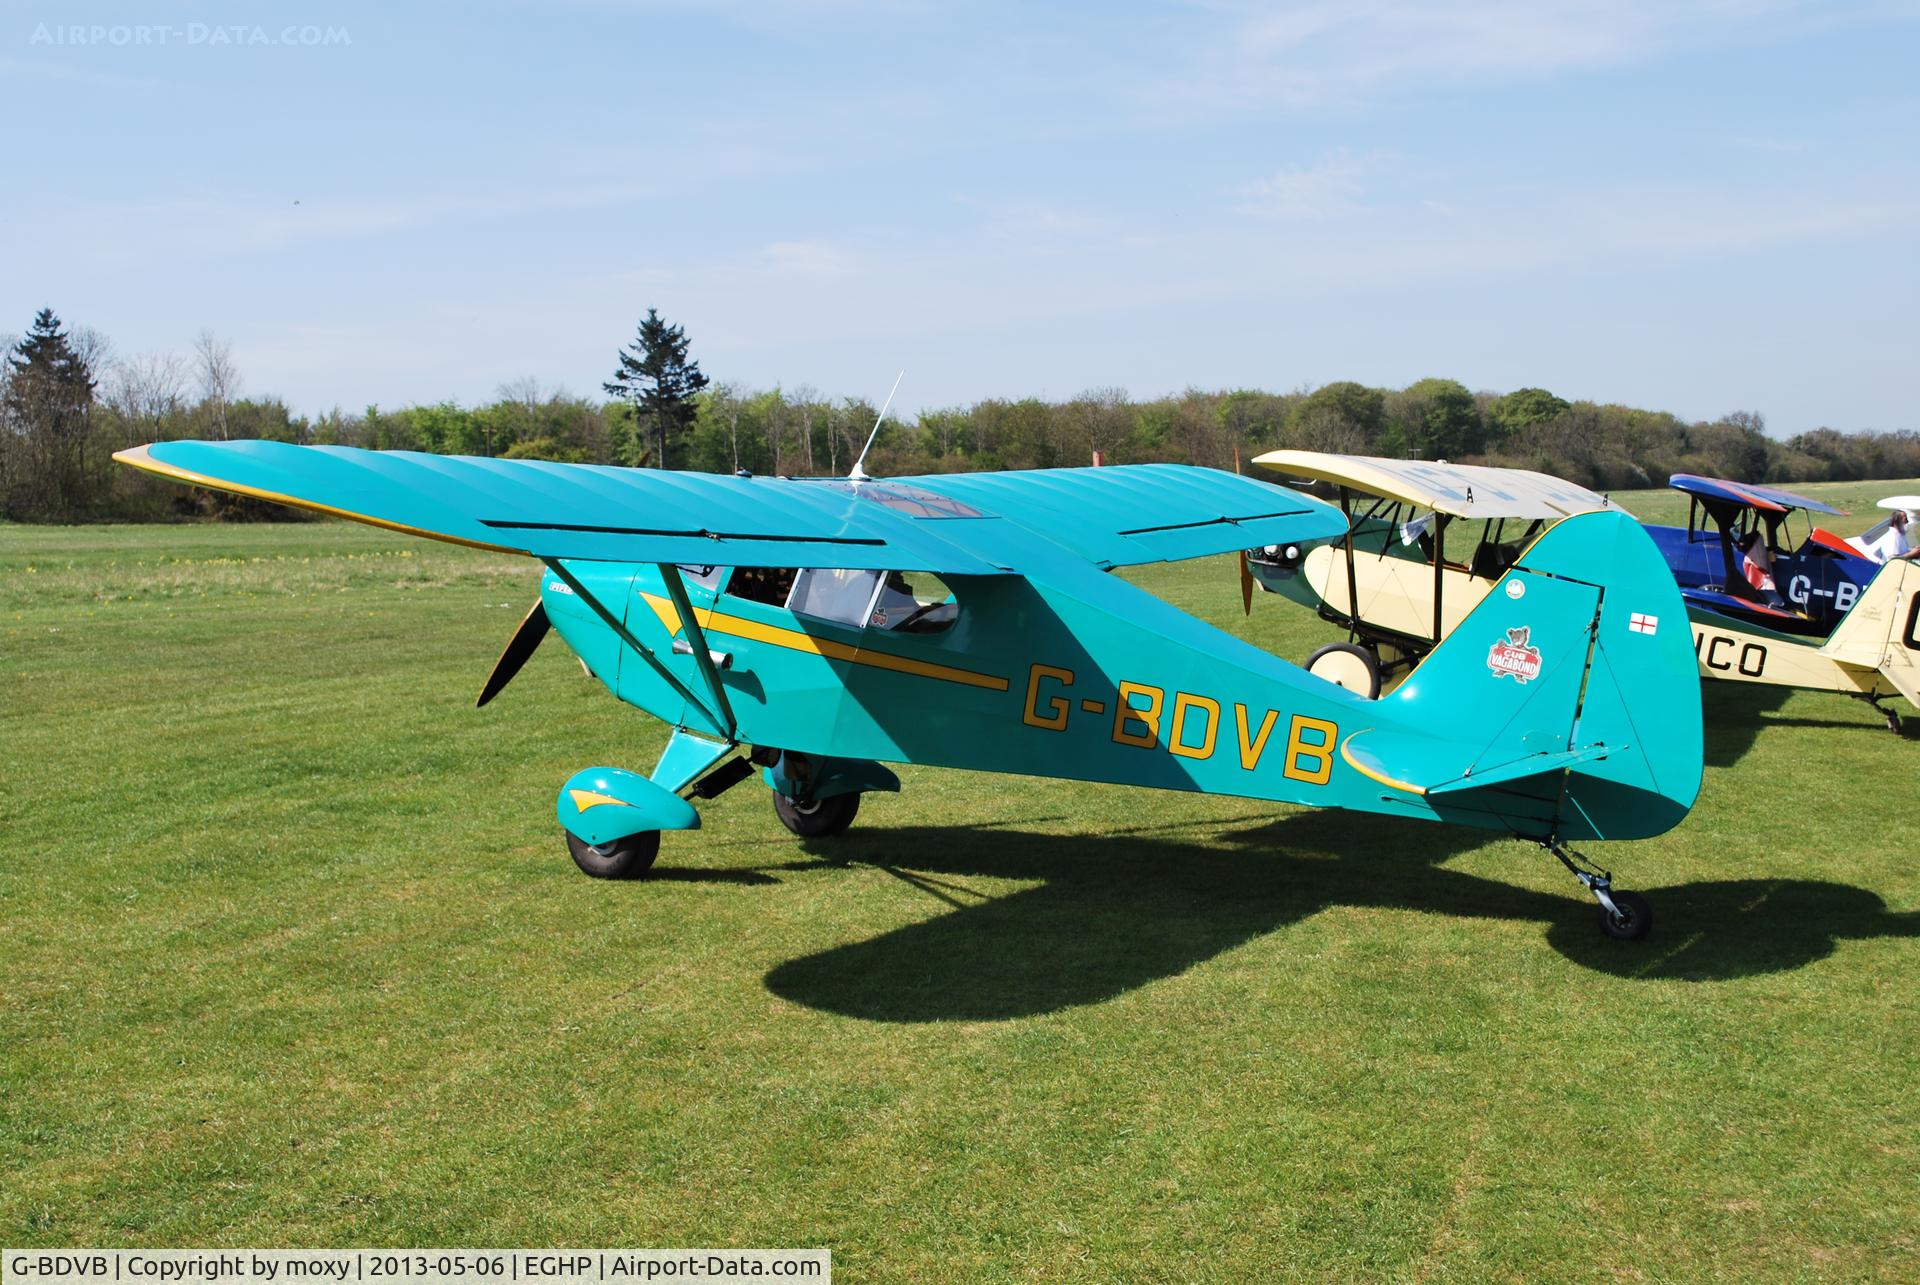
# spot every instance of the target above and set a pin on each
(291, 953)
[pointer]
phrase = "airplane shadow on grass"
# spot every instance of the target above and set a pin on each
(1116, 912)
(1736, 714)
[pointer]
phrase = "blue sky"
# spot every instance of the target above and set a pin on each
(1696, 206)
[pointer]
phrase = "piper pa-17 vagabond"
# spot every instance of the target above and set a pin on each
(818, 627)
(1822, 616)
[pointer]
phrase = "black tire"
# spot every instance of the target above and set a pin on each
(627, 858)
(1634, 921)
(817, 818)
(1349, 666)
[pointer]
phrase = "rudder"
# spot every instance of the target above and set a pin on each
(1580, 661)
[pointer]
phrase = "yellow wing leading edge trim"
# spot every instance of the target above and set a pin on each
(1372, 769)
(140, 457)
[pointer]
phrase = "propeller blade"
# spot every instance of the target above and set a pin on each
(1246, 584)
(525, 639)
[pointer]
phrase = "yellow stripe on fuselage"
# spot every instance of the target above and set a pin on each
(794, 640)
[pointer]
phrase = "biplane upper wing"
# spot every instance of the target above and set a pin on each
(1767, 499)
(960, 525)
(1458, 490)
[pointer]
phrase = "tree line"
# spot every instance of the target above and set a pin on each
(68, 401)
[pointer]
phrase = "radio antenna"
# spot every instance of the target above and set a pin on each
(859, 473)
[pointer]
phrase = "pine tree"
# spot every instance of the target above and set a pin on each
(49, 403)
(659, 382)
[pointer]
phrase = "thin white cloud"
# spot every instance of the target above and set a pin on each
(119, 234)
(1334, 185)
(1252, 55)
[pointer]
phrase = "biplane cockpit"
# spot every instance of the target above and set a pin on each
(1740, 555)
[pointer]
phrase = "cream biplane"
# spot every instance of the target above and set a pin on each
(1426, 542)
(1424, 545)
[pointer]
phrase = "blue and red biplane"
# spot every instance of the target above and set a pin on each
(1737, 556)
(1822, 616)
(818, 628)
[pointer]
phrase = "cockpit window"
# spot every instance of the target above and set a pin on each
(914, 603)
(705, 577)
(838, 594)
(769, 585)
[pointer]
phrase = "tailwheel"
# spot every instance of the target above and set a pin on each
(1630, 919)
(816, 818)
(1624, 916)
(1347, 665)
(624, 858)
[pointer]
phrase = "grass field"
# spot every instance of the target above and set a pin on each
(291, 953)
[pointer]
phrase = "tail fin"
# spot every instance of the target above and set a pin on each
(1881, 631)
(1573, 684)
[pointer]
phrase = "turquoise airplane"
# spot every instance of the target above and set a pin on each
(817, 628)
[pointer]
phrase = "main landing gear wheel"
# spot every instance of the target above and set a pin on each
(627, 858)
(1347, 665)
(1624, 916)
(817, 818)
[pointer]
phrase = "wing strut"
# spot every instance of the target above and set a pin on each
(677, 590)
(720, 725)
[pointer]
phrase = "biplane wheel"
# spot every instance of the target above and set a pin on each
(627, 858)
(1349, 666)
(1634, 919)
(817, 818)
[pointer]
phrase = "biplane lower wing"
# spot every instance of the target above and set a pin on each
(956, 525)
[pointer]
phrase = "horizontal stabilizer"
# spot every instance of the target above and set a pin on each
(1367, 754)
(1881, 631)
(1528, 765)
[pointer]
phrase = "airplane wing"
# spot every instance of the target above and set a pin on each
(957, 524)
(1459, 490)
(1128, 514)
(1768, 499)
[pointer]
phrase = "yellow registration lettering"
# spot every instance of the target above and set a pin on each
(1149, 718)
(1311, 761)
(1176, 738)
(1056, 719)
(1252, 749)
